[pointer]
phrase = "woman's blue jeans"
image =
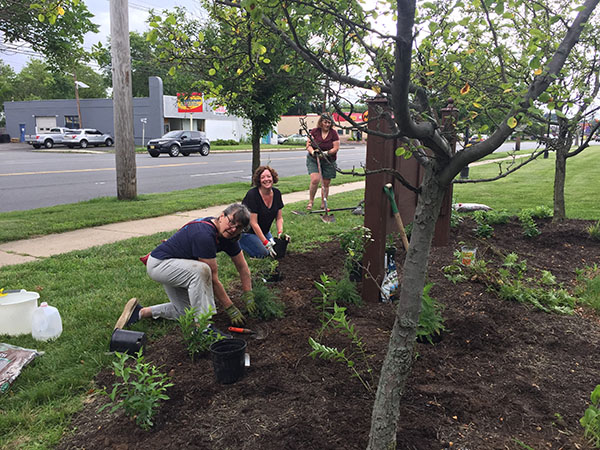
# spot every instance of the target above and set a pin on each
(252, 245)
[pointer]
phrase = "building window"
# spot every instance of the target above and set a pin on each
(72, 122)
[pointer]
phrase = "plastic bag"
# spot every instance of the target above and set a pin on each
(12, 360)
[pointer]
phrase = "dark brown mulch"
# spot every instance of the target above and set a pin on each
(504, 376)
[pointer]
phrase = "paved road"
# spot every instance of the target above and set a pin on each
(33, 179)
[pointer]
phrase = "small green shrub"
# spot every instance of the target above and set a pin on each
(344, 291)
(541, 212)
(483, 230)
(353, 242)
(454, 273)
(224, 142)
(496, 217)
(268, 307)
(192, 326)
(588, 286)
(431, 322)
(594, 231)
(530, 229)
(139, 393)
(591, 418)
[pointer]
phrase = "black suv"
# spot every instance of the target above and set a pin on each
(180, 141)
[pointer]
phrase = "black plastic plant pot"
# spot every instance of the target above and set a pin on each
(435, 339)
(275, 276)
(280, 247)
(228, 360)
(126, 341)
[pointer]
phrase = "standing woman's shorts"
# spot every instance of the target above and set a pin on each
(327, 167)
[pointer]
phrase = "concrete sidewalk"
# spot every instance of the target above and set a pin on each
(26, 250)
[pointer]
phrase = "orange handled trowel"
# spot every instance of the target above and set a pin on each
(260, 332)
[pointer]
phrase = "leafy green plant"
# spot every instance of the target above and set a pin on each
(540, 212)
(196, 333)
(591, 418)
(431, 322)
(341, 322)
(484, 229)
(455, 218)
(588, 286)
(512, 263)
(353, 242)
(530, 229)
(594, 231)
(494, 217)
(548, 300)
(454, 273)
(324, 301)
(344, 291)
(139, 393)
(267, 305)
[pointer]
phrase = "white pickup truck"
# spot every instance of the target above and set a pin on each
(49, 139)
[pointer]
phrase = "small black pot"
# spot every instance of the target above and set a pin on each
(126, 341)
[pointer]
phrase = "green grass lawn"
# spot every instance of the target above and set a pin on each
(17, 225)
(533, 186)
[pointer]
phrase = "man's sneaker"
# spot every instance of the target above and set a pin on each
(130, 314)
(211, 329)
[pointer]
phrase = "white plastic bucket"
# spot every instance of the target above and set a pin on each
(16, 311)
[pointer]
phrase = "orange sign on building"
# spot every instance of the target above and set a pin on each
(189, 103)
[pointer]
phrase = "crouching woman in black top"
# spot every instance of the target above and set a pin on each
(265, 203)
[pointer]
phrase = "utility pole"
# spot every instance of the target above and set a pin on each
(77, 99)
(122, 101)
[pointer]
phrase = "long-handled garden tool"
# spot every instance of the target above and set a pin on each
(357, 210)
(388, 189)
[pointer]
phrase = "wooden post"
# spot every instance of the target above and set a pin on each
(442, 226)
(380, 153)
(122, 101)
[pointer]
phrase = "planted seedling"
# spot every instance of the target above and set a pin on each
(196, 333)
(267, 305)
(431, 322)
(141, 390)
(361, 369)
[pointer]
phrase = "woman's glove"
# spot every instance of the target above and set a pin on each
(235, 315)
(269, 244)
(248, 298)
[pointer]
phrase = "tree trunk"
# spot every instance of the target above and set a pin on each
(255, 148)
(560, 171)
(398, 361)
(122, 101)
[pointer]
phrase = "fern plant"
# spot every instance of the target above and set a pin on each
(267, 305)
(431, 322)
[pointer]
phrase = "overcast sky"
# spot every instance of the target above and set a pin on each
(138, 12)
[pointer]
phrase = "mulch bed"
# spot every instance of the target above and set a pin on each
(504, 376)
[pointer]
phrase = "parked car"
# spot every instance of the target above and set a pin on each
(180, 141)
(48, 140)
(295, 139)
(87, 136)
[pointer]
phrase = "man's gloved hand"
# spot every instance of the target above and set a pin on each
(248, 298)
(270, 244)
(235, 316)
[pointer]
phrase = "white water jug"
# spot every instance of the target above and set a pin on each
(46, 323)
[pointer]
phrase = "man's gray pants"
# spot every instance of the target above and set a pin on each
(187, 282)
